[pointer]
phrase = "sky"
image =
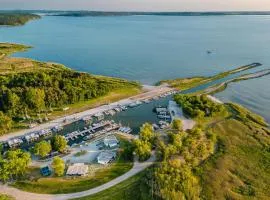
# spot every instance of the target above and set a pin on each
(139, 5)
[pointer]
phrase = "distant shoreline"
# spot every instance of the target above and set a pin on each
(85, 13)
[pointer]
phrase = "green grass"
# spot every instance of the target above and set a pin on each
(60, 185)
(9, 48)
(131, 189)
(240, 168)
(80, 153)
(109, 98)
(187, 83)
(6, 197)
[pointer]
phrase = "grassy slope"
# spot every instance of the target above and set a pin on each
(243, 170)
(9, 65)
(6, 197)
(240, 167)
(132, 188)
(58, 185)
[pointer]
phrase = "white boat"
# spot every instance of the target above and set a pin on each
(123, 108)
(146, 101)
(138, 103)
(132, 105)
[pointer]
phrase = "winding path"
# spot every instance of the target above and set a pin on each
(22, 195)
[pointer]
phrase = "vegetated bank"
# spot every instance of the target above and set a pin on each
(187, 83)
(6, 197)
(16, 18)
(226, 156)
(222, 86)
(33, 91)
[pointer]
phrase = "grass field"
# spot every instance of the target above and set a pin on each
(240, 169)
(85, 105)
(60, 185)
(6, 197)
(130, 189)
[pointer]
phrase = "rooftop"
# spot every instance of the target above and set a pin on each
(78, 169)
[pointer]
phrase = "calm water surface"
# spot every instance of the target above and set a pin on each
(152, 48)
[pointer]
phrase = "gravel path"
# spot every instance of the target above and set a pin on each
(21, 195)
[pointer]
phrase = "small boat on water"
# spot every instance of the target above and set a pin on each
(155, 98)
(138, 103)
(123, 108)
(155, 126)
(87, 118)
(117, 109)
(99, 116)
(132, 105)
(146, 101)
(125, 129)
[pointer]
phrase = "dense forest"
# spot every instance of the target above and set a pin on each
(198, 106)
(15, 19)
(29, 88)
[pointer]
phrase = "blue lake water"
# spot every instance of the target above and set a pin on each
(152, 48)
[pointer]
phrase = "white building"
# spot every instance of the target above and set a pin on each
(78, 169)
(105, 157)
(110, 141)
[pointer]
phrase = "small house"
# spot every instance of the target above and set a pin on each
(106, 157)
(110, 141)
(78, 169)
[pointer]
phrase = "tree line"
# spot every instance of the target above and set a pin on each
(22, 94)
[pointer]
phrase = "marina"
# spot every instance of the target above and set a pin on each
(89, 127)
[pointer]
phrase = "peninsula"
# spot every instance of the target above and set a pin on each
(16, 19)
(165, 160)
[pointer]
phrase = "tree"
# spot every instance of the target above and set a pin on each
(142, 149)
(147, 133)
(42, 148)
(58, 166)
(14, 164)
(5, 123)
(177, 124)
(4, 170)
(13, 103)
(35, 98)
(59, 143)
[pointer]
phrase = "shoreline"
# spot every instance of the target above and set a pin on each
(150, 92)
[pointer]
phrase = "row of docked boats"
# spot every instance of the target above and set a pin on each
(161, 125)
(147, 101)
(125, 129)
(162, 113)
(93, 130)
(32, 137)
